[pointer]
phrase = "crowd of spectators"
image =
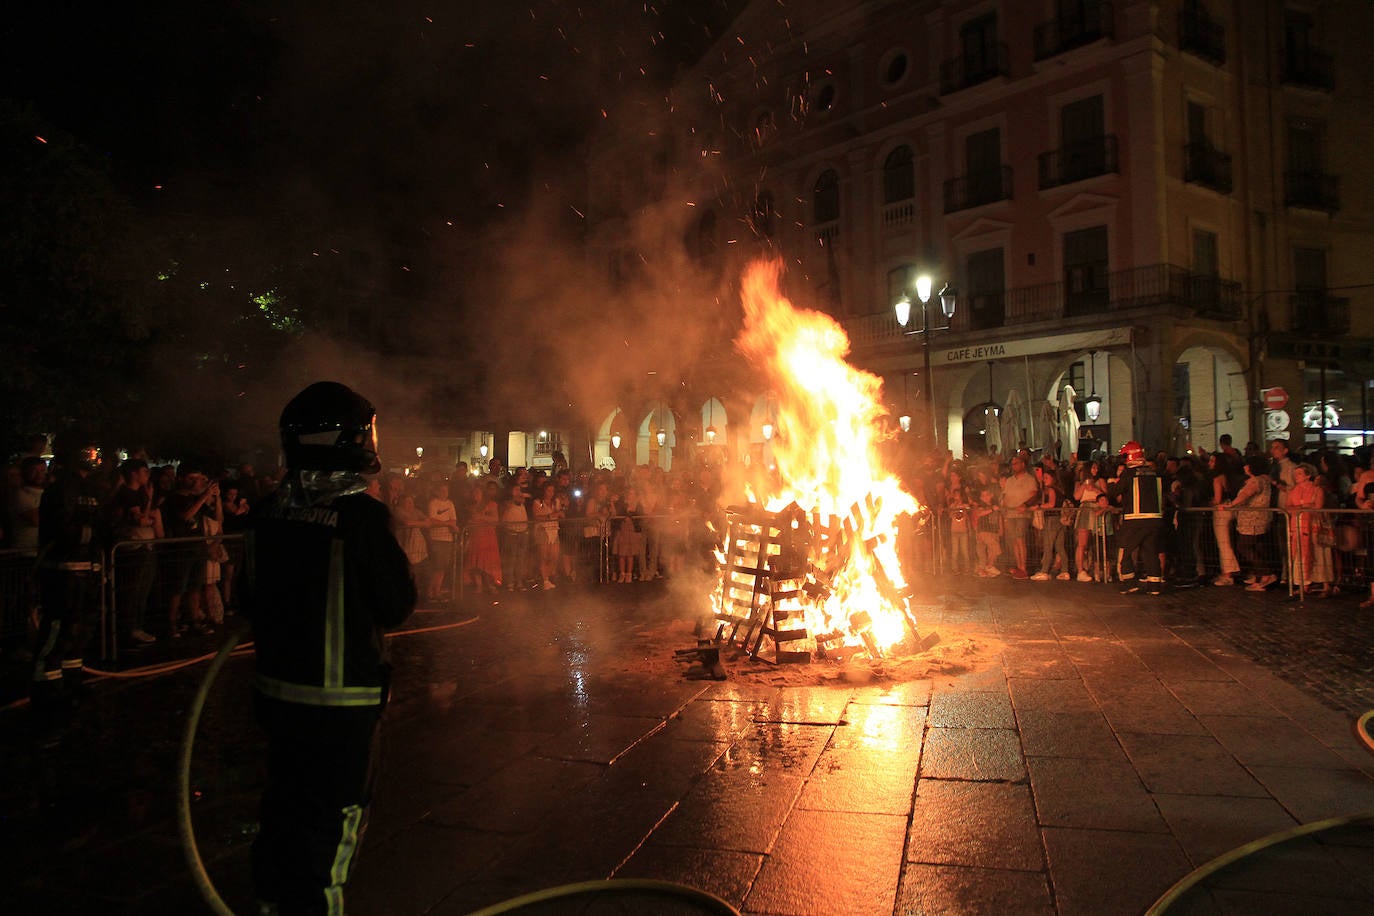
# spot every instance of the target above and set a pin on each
(188, 581)
(1229, 517)
(463, 532)
(541, 528)
(1024, 515)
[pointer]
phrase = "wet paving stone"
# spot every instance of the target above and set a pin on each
(975, 754)
(602, 739)
(1142, 867)
(908, 693)
(728, 875)
(972, 891)
(827, 862)
(733, 809)
(1098, 794)
(1067, 734)
(1312, 795)
(1206, 827)
(742, 788)
(977, 824)
(1065, 696)
(515, 799)
(1217, 698)
(971, 710)
(864, 780)
(1271, 739)
(781, 747)
(1188, 765)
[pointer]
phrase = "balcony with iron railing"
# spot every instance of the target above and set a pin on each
(826, 234)
(1207, 166)
(978, 188)
(1153, 286)
(1309, 68)
(971, 69)
(1092, 22)
(1202, 37)
(899, 213)
(1077, 161)
(1314, 312)
(1312, 190)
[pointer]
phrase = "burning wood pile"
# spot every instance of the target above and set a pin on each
(778, 585)
(810, 567)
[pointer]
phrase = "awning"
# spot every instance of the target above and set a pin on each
(1033, 346)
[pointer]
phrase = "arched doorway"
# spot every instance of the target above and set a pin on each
(1211, 397)
(981, 429)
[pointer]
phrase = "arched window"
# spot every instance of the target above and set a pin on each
(899, 176)
(825, 197)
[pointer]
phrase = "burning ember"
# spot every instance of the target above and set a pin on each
(812, 562)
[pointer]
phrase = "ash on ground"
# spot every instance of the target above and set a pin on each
(656, 649)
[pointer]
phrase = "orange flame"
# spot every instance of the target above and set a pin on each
(825, 448)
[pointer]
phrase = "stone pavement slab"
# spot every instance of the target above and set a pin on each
(1110, 745)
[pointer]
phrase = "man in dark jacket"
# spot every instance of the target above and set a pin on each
(323, 577)
(72, 535)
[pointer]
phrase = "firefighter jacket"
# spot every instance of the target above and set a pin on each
(71, 526)
(323, 577)
(1139, 493)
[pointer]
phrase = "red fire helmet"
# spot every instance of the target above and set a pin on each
(1133, 452)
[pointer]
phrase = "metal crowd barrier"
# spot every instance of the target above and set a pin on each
(18, 599)
(591, 542)
(142, 577)
(1307, 551)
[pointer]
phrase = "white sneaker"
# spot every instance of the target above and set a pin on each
(993, 571)
(1223, 580)
(143, 636)
(1041, 577)
(1084, 576)
(1063, 577)
(548, 585)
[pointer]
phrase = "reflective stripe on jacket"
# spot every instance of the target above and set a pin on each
(322, 581)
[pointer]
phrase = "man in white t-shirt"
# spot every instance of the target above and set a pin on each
(33, 474)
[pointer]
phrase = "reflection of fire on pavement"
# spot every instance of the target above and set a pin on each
(811, 567)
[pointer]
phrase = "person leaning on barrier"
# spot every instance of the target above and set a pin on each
(323, 577)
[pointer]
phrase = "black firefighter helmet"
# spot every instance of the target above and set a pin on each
(330, 427)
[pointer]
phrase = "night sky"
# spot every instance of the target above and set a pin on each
(396, 115)
(232, 147)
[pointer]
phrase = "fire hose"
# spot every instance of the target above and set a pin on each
(641, 887)
(1364, 733)
(1207, 869)
(185, 826)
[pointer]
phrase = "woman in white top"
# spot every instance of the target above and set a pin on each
(546, 511)
(443, 527)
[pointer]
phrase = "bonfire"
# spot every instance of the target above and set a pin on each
(810, 566)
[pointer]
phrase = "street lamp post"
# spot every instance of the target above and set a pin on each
(948, 299)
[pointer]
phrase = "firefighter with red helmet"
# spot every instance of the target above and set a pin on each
(1138, 491)
(71, 540)
(324, 576)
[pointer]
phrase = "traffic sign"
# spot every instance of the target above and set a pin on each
(1274, 398)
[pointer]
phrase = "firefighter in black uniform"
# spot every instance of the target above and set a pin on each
(1140, 494)
(71, 538)
(323, 577)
